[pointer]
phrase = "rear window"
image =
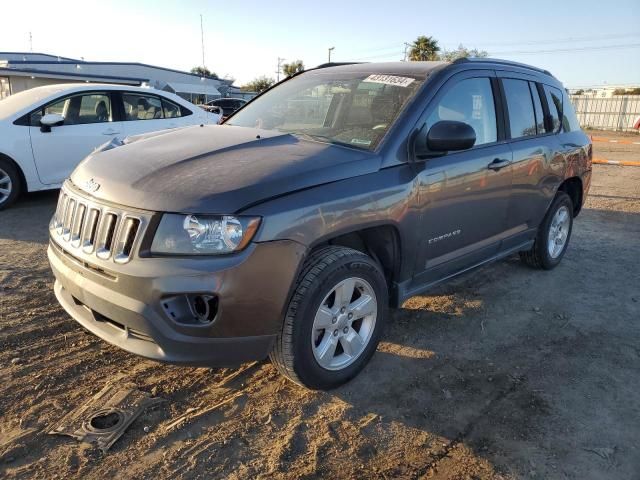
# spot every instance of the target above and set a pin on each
(537, 105)
(522, 119)
(554, 101)
(570, 121)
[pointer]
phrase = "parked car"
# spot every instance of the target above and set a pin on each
(46, 131)
(228, 105)
(290, 230)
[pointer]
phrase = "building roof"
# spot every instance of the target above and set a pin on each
(24, 72)
(195, 88)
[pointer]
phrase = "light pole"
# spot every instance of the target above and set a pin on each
(330, 49)
(280, 60)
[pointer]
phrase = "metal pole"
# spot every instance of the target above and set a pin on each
(280, 60)
(202, 39)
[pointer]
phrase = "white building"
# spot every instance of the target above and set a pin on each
(21, 71)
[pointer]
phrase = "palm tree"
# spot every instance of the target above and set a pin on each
(424, 48)
(292, 68)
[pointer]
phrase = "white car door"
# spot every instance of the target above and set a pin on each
(88, 123)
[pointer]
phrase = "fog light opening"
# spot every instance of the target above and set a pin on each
(205, 308)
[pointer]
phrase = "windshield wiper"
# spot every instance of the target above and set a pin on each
(324, 138)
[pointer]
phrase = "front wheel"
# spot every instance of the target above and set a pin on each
(334, 320)
(553, 235)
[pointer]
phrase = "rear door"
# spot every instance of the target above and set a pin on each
(464, 195)
(89, 122)
(537, 163)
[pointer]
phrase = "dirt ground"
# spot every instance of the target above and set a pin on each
(506, 372)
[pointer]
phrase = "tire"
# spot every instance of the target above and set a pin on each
(544, 254)
(10, 183)
(326, 276)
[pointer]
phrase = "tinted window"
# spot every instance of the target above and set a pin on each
(141, 107)
(522, 120)
(171, 110)
(78, 109)
(469, 101)
(569, 119)
(537, 105)
(554, 101)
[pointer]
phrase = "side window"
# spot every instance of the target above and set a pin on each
(569, 119)
(78, 109)
(537, 105)
(522, 120)
(171, 110)
(141, 107)
(469, 101)
(554, 101)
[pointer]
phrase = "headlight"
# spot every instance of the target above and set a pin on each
(203, 234)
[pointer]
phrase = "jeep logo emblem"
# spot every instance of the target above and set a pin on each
(91, 185)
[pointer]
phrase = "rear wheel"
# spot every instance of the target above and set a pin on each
(9, 183)
(334, 320)
(553, 235)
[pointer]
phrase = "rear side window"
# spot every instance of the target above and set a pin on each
(554, 101)
(469, 101)
(537, 106)
(570, 121)
(141, 107)
(171, 110)
(522, 119)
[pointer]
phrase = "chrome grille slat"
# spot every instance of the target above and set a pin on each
(109, 233)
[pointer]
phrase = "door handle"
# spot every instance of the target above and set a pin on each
(110, 131)
(498, 163)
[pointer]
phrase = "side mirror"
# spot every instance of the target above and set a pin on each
(51, 120)
(449, 136)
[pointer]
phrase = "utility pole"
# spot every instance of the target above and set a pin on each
(280, 60)
(330, 49)
(406, 46)
(202, 39)
(30, 42)
(204, 68)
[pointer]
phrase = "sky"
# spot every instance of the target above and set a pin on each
(583, 43)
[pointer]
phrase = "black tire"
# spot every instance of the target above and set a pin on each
(326, 267)
(11, 171)
(538, 256)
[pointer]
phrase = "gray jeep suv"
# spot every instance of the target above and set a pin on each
(289, 230)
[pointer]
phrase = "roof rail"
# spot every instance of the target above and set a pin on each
(336, 64)
(501, 62)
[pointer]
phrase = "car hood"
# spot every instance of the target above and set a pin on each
(214, 169)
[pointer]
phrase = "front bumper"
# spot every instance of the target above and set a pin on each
(124, 303)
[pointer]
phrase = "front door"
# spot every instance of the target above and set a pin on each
(88, 123)
(464, 196)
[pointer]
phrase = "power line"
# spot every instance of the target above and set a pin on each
(559, 50)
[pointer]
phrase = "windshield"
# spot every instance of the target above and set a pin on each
(354, 109)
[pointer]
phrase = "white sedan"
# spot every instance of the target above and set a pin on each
(46, 131)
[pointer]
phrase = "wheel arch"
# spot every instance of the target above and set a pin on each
(23, 180)
(381, 242)
(572, 186)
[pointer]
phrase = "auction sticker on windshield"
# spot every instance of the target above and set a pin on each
(390, 80)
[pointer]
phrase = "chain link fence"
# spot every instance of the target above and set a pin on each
(619, 113)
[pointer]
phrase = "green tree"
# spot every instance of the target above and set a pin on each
(204, 72)
(259, 84)
(292, 68)
(424, 48)
(461, 52)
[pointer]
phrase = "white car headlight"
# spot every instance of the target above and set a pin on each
(203, 234)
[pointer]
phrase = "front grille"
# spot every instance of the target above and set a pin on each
(109, 233)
